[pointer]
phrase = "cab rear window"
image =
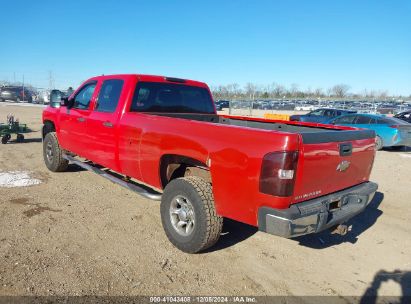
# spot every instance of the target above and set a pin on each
(171, 98)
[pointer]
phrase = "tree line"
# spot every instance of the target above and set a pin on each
(278, 91)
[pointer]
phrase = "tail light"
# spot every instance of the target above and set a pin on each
(394, 127)
(278, 172)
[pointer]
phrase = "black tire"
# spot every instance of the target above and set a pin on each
(20, 138)
(207, 224)
(378, 143)
(52, 154)
(5, 139)
(399, 148)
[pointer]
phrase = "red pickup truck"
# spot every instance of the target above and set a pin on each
(161, 137)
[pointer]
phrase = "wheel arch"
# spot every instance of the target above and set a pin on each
(48, 126)
(173, 166)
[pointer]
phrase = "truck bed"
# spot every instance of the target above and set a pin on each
(321, 152)
(310, 134)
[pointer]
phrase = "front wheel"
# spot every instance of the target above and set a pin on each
(188, 214)
(53, 154)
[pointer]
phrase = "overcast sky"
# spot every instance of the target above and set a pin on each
(365, 44)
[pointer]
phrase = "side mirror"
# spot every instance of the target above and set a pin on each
(55, 98)
(67, 102)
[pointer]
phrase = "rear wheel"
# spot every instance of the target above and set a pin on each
(378, 143)
(5, 139)
(53, 154)
(188, 214)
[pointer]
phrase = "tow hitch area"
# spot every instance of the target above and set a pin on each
(322, 213)
(341, 229)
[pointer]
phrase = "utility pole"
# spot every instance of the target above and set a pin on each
(24, 93)
(51, 80)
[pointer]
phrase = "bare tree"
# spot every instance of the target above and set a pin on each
(308, 92)
(371, 94)
(382, 94)
(294, 90)
(340, 90)
(250, 90)
(235, 89)
(277, 90)
(318, 92)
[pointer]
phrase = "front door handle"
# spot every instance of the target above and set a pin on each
(81, 119)
(107, 124)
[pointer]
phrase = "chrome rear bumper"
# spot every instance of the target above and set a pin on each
(317, 214)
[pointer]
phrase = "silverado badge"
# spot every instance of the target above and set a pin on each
(342, 166)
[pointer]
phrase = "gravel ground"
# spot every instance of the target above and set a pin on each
(76, 233)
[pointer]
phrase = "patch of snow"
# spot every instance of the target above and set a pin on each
(13, 179)
(405, 155)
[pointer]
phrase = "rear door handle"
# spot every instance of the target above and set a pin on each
(81, 119)
(107, 124)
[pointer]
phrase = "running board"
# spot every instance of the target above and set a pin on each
(131, 186)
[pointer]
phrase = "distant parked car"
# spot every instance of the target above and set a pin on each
(17, 94)
(406, 116)
(221, 104)
(390, 131)
(305, 107)
(43, 97)
(320, 115)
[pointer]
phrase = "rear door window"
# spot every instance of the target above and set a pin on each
(349, 119)
(109, 95)
(363, 120)
(329, 113)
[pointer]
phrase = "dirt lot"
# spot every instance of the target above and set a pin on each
(76, 233)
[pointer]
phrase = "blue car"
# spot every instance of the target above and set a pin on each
(391, 132)
(320, 115)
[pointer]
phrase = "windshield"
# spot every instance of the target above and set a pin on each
(171, 98)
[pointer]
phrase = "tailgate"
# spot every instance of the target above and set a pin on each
(332, 161)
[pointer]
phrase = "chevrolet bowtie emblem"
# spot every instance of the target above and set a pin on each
(342, 166)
